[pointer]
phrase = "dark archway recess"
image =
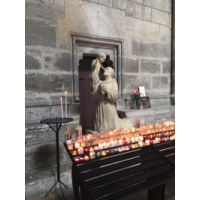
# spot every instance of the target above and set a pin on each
(87, 104)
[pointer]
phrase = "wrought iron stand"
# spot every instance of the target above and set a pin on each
(58, 122)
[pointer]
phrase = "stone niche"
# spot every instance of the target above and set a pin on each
(90, 46)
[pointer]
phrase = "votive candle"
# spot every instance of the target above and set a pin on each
(116, 150)
(103, 153)
(86, 158)
(96, 148)
(147, 142)
(92, 154)
(98, 155)
(119, 150)
(80, 150)
(140, 138)
(132, 139)
(70, 146)
(100, 146)
(120, 142)
(74, 153)
(77, 145)
(86, 150)
(61, 106)
(76, 160)
(65, 103)
(112, 152)
(105, 145)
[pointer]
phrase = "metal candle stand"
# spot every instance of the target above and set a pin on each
(58, 122)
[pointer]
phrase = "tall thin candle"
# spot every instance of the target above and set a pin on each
(65, 103)
(61, 106)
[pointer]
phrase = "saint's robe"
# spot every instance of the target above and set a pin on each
(106, 117)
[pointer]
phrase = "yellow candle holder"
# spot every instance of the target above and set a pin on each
(74, 153)
(103, 153)
(86, 158)
(136, 145)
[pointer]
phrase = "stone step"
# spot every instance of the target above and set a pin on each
(39, 182)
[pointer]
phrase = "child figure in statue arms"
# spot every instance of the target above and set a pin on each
(95, 68)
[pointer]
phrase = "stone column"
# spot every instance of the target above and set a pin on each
(173, 54)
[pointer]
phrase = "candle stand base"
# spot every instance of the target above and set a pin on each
(58, 122)
(60, 182)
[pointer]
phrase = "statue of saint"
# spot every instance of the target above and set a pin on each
(105, 96)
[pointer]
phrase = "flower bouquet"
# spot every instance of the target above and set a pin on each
(135, 96)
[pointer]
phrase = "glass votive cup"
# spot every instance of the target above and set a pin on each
(147, 141)
(70, 146)
(77, 145)
(80, 150)
(140, 144)
(82, 144)
(100, 146)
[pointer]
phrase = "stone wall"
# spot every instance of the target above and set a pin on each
(144, 27)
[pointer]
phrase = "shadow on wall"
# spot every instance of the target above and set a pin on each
(42, 156)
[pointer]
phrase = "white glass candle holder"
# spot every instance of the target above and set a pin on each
(132, 139)
(77, 145)
(140, 138)
(105, 145)
(147, 142)
(92, 155)
(157, 140)
(100, 146)
(140, 144)
(80, 150)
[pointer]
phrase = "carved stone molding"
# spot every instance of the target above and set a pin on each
(87, 44)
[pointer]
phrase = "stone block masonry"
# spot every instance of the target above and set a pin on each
(131, 65)
(141, 26)
(46, 82)
(57, 61)
(39, 33)
(150, 66)
(33, 59)
(147, 48)
(43, 11)
(60, 3)
(160, 17)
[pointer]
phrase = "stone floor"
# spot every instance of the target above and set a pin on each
(57, 195)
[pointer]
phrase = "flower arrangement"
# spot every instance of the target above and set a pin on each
(136, 95)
